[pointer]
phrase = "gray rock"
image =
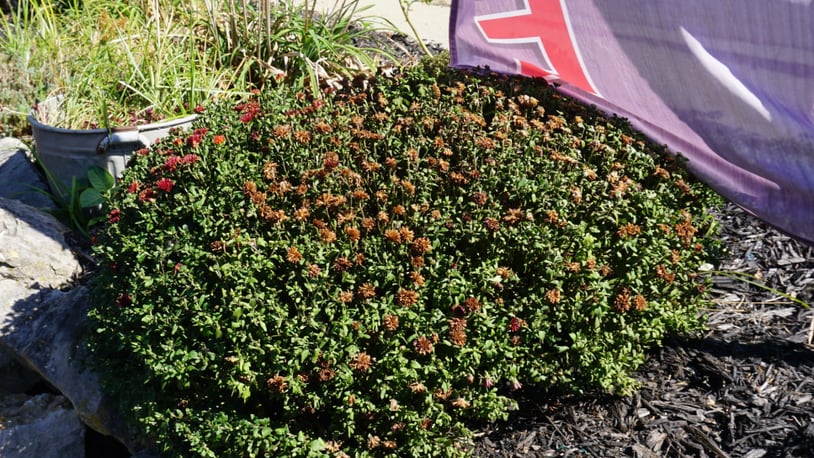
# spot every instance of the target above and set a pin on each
(19, 178)
(43, 426)
(33, 251)
(43, 322)
(15, 377)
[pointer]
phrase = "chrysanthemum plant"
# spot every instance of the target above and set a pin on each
(380, 269)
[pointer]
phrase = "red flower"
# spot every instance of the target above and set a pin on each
(171, 163)
(194, 140)
(114, 217)
(124, 300)
(147, 195)
(199, 109)
(516, 323)
(190, 159)
(219, 139)
(165, 184)
(134, 187)
(248, 111)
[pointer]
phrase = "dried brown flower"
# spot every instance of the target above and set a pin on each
(605, 270)
(368, 224)
(664, 274)
(327, 235)
(423, 346)
(639, 303)
(361, 362)
(504, 272)
(553, 296)
(281, 131)
(367, 291)
(629, 230)
(458, 337)
(313, 270)
(472, 304)
(392, 235)
(302, 214)
(417, 278)
(302, 137)
(406, 234)
(417, 387)
(421, 245)
(342, 264)
(345, 296)
(622, 301)
(662, 173)
(406, 297)
(480, 198)
(277, 383)
(417, 261)
(293, 255)
(353, 233)
(326, 374)
(249, 188)
(330, 160)
(373, 442)
(461, 403)
(391, 322)
(492, 224)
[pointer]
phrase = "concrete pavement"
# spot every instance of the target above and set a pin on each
(431, 21)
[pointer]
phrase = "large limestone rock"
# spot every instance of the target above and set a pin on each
(43, 320)
(43, 426)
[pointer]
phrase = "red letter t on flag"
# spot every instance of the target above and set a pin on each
(546, 23)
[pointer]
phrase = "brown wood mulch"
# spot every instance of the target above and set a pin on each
(744, 388)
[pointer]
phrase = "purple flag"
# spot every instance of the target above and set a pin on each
(729, 84)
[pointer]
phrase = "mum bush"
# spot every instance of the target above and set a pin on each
(375, 270)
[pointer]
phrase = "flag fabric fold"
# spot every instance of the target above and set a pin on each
(727, 84)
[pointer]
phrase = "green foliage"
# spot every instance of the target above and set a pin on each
(79, 204)
(375, 271)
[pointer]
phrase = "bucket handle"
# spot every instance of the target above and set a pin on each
(122, 136)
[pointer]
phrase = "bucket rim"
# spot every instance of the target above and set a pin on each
(163, 124)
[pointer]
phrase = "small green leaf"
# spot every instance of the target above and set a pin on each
(90, 198)
(100, 179)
